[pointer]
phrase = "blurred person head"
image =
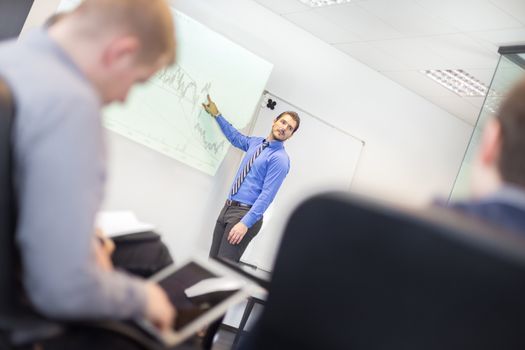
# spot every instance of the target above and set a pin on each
(501, 155)
(117, 43)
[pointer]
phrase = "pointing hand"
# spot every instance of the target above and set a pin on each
(211, 107)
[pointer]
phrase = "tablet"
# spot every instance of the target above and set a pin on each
(201, 290)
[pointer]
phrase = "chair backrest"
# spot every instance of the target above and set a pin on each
(7, 204)
(354, 275)
(18, 321)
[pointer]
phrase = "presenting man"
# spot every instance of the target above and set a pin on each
(262, 171)
(60, 78)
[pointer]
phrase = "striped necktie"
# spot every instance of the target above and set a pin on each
(247, 167)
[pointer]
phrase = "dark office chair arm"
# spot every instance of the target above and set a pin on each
(125, 330)
(24, 329)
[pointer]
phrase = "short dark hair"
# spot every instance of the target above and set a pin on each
(295, 117)
(511, 117)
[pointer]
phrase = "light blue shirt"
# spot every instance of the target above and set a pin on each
(265, 176)
(60, 171)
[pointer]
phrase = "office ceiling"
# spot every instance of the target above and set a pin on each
(400, 38)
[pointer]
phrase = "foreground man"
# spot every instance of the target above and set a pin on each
(61, 77)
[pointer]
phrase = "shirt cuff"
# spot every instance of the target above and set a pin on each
(249, 220)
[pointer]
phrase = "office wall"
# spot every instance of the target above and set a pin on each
(413, 149)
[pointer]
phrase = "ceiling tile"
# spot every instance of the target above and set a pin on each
(475, 101)
(462, 50)
(408, 17)
(418, 82)
(371, 56)
(457, 106)
(515, 8)
(437, 94)
(414, 53)
(402, 37)
(353, 18)
(469, 15)
(504, 37)
(322, 28)
(284, 6)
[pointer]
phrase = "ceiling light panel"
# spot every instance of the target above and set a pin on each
(323, 3)
(458, 81)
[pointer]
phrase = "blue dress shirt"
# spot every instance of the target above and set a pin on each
(265, 176)
(505, 207)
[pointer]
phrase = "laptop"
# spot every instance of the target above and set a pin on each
(202, 290)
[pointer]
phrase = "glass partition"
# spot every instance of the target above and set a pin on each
(510, 68)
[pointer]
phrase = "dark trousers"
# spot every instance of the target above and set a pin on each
(228, 217)
(141, 254)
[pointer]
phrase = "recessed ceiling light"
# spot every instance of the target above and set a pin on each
(322, 3)
(457, 81)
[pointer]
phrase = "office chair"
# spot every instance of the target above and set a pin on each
(356, 275)
(20, 325)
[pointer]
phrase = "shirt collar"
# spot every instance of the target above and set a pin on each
(509, 194)
(275, 144)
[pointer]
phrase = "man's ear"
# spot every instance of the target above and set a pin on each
(121, 50)
(490, 148)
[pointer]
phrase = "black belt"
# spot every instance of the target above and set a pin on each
(231, 203)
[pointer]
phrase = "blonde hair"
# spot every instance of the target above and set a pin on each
(149, 20)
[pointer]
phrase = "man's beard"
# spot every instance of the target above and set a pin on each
(277, 135)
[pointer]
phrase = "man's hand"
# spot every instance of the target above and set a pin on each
(211, 107)
(106, 242)
(104, 248)
(159, 309)
(237, 233)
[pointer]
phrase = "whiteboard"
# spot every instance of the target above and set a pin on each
(322, 157)
(166, 115)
